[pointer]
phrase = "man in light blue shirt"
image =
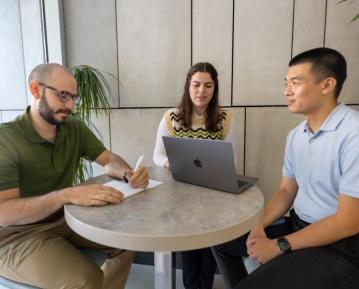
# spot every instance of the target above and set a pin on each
(321, 163)
(318, 245)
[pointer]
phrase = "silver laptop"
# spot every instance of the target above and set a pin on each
(207, 163)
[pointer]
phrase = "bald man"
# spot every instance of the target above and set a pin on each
(39, 154)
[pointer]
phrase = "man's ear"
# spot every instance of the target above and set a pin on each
(328, 85)
(35, 89)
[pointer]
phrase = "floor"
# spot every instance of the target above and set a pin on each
(142, 277)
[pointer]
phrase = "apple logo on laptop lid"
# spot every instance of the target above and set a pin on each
(197, 163)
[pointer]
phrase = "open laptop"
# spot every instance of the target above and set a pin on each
(207, 163)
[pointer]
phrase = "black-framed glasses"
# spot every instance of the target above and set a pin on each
(63, 95)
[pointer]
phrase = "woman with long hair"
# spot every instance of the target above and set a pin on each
(197, 116)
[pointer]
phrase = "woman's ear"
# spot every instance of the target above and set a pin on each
(34, 88)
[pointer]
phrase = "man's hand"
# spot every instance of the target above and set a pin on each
(92, 195)
(263, 249)
(139, 178)
(257, 232)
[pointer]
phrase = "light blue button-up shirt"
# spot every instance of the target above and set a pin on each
(324, 164)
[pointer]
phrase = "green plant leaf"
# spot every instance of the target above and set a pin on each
(94, 92)
(355, 18)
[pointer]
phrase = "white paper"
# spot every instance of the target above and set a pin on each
(127, 190)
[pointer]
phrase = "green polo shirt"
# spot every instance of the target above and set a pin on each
(36, 166)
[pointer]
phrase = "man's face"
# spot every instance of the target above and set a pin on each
(303, 91)
(50, 107)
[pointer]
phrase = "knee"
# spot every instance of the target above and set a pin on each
(86, 278)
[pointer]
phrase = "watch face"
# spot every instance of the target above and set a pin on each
(284, 245)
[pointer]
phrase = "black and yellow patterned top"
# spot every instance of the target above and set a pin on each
(198, 129)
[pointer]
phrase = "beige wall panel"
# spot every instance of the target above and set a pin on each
(212, 40)
(266, 135)
(102, 124)
(133, 132)
(154, 52)
(90, 29)
(309, 19)
(31, 36)
(344, 37)
(238, 117)
(12, 76)
(262, 49)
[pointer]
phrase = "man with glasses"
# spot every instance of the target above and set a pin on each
(39, 155)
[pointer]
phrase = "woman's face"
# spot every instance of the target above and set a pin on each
(201, 90)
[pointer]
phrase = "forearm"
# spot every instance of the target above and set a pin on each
(321, 233)
(116, 166)
(276, 208)
(159, 154)
(20, 211)
(342, 224)
(160, 159)
(278, 205)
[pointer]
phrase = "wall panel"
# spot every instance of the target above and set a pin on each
(344, 36)
(90, 29)
(12, 75)
(262, 49)
(238, 117)
(212, 40)
(309, 19)
(102, 131)
(31, 27)
(154, 51)
(133, 132)
(266, 134)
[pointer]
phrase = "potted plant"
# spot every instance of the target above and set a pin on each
(94, 91)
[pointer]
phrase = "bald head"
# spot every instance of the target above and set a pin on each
(43, 72)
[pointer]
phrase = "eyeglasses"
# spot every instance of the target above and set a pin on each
(63, 95)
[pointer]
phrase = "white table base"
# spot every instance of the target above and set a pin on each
(165, 270)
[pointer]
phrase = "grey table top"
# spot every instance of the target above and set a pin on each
(173, 216)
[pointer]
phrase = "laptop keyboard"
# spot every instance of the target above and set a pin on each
(241, 183)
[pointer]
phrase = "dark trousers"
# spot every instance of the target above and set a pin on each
(199, 267)
(335, 266)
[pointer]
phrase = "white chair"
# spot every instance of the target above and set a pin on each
(95, 256)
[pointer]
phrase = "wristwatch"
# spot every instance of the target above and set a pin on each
(284, 245)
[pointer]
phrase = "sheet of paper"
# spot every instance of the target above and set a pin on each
(127, 190)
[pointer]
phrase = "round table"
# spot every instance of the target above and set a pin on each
(173, 216)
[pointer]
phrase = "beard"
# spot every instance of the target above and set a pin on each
(48, 113)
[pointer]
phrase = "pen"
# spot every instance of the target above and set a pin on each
(138, 163)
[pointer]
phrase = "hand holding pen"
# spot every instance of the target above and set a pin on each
(138, 178)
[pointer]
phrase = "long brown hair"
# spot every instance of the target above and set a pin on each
(186, 105)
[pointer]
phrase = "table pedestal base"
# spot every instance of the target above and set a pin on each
(165, 270)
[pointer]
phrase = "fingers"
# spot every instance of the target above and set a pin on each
(139, 178)
(109, 195)
(96, 195)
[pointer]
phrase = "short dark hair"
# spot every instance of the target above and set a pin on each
(186, 105)
(326, 62)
